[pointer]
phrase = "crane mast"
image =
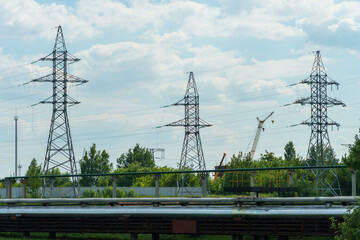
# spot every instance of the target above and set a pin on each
(257, 136)
(221, 163)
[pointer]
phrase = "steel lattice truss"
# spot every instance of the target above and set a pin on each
(60, 151)
(320, 152)
(192, 156)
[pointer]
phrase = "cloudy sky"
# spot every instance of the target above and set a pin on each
(136, 55)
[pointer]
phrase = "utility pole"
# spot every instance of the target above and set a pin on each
(192, 156)
(60, 151)
(319, 151)
(16, 140)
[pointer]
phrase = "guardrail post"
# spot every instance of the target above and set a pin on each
(237, 237)
(134, 236)
(291, 181)
(52, 235)
(24, 182)
(7, 184)
(155, 236)
(52, 180)
(353, 182)
(252, 183)
(281, 237)
(157, 185)
(204, 181)
(261, 237)
(114, 178)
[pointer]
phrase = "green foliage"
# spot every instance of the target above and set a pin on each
(167, 180)
(353, 159)
(137, 155)
(121, 193)
(350, 228)
(108, 193)
(278, 178)
(60, 181)
(17, 184)
(240, 161)
(34, 184)
(216, 187)
(327, 155)
(137, 159)
(129, 180)
(89, 193)
(144, 181)
(94, 162)
(289, 152)
(306, 189)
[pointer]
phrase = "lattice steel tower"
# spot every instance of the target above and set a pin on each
(320, 152)
(192, 156)
(60, 151)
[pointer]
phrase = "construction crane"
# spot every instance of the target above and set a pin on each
(257, 136)
(219, 167)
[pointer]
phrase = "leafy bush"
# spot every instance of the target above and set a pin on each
(350, 228)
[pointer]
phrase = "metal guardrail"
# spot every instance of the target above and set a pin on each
(202, 189)
(177, 172)
(189, 201)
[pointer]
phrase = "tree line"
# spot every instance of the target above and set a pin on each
(139, 159)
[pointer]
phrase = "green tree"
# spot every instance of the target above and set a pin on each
(350, 228)
(132, 180)
(34, 183)
(290, 153)
(240, 161)
(353, 159)
(60, 181)
(137, 155)
(94, 162)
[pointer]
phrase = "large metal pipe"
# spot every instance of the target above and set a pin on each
(347, 199)
(235, 200)
(178, 211)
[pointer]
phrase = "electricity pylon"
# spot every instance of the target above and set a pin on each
(192, 156)
(60, 151)
(319, 151)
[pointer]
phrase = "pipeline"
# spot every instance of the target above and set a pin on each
(177, 211)
(181, 201)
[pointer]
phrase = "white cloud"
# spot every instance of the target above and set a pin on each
(347, 22)
(275, 20)
(263, 74)
(31, 19)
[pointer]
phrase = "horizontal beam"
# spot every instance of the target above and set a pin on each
(146, 225)
(178, 172)
(179, 211)
(182, 200)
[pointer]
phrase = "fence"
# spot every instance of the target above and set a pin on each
(67, 192)
(113, 190)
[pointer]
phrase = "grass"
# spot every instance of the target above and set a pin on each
(108, 236)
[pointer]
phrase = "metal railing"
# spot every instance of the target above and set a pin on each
(9, 181)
